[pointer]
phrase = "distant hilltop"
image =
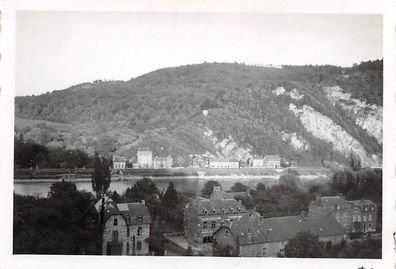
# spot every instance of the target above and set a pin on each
(309, 115)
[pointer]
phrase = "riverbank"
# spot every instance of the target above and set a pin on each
(211, 175)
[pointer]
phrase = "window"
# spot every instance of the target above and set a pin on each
(231, 210)
(366, 208)
(370, 217)
(139, 231)
(128, 232)
(115, 222)
(222, 223)
(372, 208)
(214, 224)
(364, 218)
(205, 211)
(239, 209)
(115, 236)
(354, 218)
(128, 218)
(223, 210)
(264, 251)
(139, 245)
(359, 218)
(214, 211)
(140, 217)
(226, 233)
(204, 225)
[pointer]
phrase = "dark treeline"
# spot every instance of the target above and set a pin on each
(28, 154)
(63, 223)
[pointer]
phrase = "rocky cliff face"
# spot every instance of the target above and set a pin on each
(325, 129)
(367, 116)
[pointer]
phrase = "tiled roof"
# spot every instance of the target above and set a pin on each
(362, 202)
(131, 213)
(330, 201)
(119, 159)
(202, 204)
(251, 230)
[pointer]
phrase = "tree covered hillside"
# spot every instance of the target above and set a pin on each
(250, 112)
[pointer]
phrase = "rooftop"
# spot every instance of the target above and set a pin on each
(252, 230)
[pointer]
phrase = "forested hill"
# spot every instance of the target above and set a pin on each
(309, 114)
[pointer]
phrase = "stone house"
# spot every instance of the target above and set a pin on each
(202, 217)
(145, 159)
(354, 216)
(119, 163)
(126, 229)
(162, 162)
(272, 161)
(254, 236)
(258, 162)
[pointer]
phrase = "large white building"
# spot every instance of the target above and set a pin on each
(145, 159)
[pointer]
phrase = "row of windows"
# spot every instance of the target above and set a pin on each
(213, 224)
(223, 210)
(359, 218)
(139, 218)
(139, 233)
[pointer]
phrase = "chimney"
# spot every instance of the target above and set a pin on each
(217, 193)
(143, 202)
(249, 236)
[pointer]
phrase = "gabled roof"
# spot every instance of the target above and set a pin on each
(202, 204)
(119, 159)
(362, 203)
(133, 213)
(252, 230)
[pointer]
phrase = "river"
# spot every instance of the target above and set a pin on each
(37, 187)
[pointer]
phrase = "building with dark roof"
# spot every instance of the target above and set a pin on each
(272, 161)
(127, 229)
(354, 216)
(254, 236)
(202, 217)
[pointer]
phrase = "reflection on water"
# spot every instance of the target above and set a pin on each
(185, 185)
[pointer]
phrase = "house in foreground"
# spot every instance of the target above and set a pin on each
(126, 229)
(202, 216)
(254, 236)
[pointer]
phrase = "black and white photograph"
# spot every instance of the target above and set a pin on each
(209, 134)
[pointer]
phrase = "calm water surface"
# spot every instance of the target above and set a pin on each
(185, 185)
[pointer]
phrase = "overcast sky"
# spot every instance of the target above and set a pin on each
(55, 50)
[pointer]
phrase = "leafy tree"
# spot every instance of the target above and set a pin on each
(289, 180)
(170, 198)
(223, 251)
(239, 187)
(64, 223)
(208, 188)
(304, 245)
(101, 176)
